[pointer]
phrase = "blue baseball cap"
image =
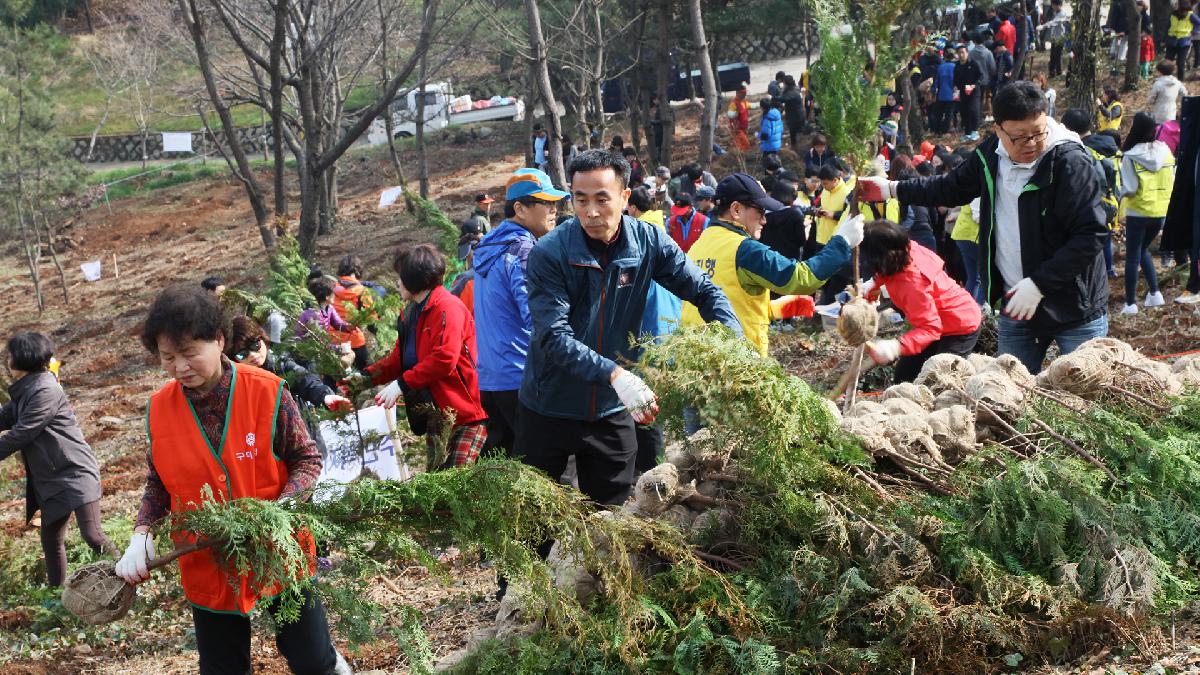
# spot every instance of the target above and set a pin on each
(531, 183)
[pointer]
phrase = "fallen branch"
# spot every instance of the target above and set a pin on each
(1139, 398)
(861, 475)
(720, 560)
(1077, 449)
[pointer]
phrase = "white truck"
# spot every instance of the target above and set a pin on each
(442, 109)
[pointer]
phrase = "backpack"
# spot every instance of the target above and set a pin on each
(1106, 167)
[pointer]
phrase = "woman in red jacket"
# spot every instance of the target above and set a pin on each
(434, 359)
(944, 317)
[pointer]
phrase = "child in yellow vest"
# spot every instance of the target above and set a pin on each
(1147, 177)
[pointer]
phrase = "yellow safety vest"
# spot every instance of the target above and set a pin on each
(832, 200)
(1153, 195)
(715, 253)
(1180, 27)
(891, 211)
(1106, 120)
(965, 228)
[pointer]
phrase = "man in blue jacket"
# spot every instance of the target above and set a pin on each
(770, 130)
(588, 282)
(502, 317)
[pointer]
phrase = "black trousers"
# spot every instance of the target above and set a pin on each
(968, 110)
(223, 640)
(1056, 52)
(649, 446)
(54, 537)
(501, 408)
(362, 358)
(908, 367)
(605, 451)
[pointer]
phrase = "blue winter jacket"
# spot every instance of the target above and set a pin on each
(584, 315)
(502, 322)
(943, 82)
(770, 133)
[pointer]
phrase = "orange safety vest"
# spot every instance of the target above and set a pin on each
(242, 465)
(347, 295)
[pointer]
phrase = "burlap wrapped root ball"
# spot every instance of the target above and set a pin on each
(912, 436)
(96, 595)
(997, 391)
(899, 407)
(913, 392)
(870, 429)
(1012, 367)
(944, 372)
(858, 321)
(1150, 376)
(1187, 371)
(655, 491)
(953, 429)
(862, 408)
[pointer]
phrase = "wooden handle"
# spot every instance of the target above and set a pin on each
(164, 560)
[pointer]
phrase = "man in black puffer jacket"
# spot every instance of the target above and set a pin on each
(1041, 225)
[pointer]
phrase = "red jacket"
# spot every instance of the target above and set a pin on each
(932, 302)
(675, 229)
(445, 358)
(1007, 33)
(1147, 54)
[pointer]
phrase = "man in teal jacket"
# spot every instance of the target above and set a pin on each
(588, 281)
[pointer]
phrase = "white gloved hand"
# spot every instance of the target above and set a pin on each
(334, 401)
(868, 286)
(876, 189)
(133, 566)
(851, 230)
(1023, 300)
(884, 352)
(388, 396)
(637, 398)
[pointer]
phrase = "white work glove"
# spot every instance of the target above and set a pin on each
(133, 566)
(884, 352)
(873, 189)
(388, 396)
(637, 398)
(334, 402)
(851, 230)
(868, 286)
(1023, 300)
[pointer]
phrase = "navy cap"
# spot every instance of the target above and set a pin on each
(739, 187)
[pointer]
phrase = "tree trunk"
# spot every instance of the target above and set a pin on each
(240, 165)
(87, 15)
(708, 81)
(597, 79)
(532, 97)
(1081, 74)
(278, 43)
(31, 257)
(631, 86)
(537, 43)
(907, 95)
(1132, 71)
(1160, 19)
(422, 165)
(62, 275)
(663, 55)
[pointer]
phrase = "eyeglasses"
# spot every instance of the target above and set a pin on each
(756, 207)
(241, 356)
(1031, 139)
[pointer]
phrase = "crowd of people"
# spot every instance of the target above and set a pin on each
(529, 352)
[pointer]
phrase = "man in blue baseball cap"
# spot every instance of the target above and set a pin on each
(502, 300)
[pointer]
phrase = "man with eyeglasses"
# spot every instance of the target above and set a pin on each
(501, 298)
(1041, 225)
(730, 253)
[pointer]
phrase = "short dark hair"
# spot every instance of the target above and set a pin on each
(811, 172)
(183, 313)
(350, 265)
(628, 151)
(211, 283)
(421, 267)
(819, 139)
(789, 81)
(640, 198)
(784, 191)
(828, 172)
(1016, 101)
(1077, 120)
(597, 159)
(1166, 67)
(244, 336)
(321, 288)
(885, 247)
(314, 272)
(685, 199)
(779, 75)
(1111, 92)
(30, 351)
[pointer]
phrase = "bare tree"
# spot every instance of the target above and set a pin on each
(663, 61)
(1132, 69)
(541, 72)
(709, 82)
(1081, 73)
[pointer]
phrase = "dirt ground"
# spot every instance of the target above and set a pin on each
(184, 233)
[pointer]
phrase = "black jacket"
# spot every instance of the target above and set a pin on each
(1183, 215)
(61, 473)
(784, 232)
(305, 385)
(1062, 229)
(793, 107)
(967, 74)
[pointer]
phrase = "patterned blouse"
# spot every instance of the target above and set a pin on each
(292, 443)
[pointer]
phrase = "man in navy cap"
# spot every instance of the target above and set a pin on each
(730, 253)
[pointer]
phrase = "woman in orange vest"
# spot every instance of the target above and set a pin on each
(350, 294)
(236, 429)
